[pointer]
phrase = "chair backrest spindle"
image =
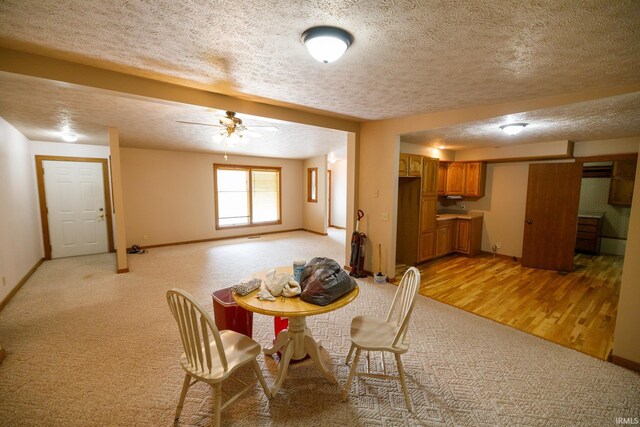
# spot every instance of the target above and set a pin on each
(403, 303)
(196, 327)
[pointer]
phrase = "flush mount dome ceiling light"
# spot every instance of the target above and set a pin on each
(513, 128)
(69, 137)
(326, 44)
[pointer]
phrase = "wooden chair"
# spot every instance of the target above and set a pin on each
(371, 334)
(211, 361)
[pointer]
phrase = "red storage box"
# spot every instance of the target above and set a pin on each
(228, 315)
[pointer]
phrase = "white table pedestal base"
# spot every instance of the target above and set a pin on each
(296, 343)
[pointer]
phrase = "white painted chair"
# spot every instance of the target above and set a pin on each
(211, 361)
(389, 335)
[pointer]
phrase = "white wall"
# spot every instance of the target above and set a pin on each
(314, 215)
(339, 193)
(20, 229)
(168, 195)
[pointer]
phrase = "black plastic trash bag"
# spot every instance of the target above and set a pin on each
(324, 281)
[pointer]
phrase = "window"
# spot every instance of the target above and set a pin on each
(312, 185)
(246, 195)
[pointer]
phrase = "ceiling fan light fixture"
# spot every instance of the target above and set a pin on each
(513, 128)
(326, 44)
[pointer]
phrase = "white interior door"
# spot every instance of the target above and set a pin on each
(76, 209)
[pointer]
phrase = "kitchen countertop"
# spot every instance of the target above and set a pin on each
(591, 215)
(461, 215)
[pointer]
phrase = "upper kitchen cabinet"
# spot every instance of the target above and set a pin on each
(410, 165)
(429, 177)
(403, 165)
(465, 179)
(474, 179)
(415, 165)
(455, 180)
(442, 178)
(622, 178)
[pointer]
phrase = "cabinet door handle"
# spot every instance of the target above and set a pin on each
(529, 221)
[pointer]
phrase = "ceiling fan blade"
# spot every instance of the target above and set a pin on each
(200, 124)
(269, 128)
(251, 133)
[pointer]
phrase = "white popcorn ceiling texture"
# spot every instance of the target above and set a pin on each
(608, 118)
(408, 57)
(146, 124)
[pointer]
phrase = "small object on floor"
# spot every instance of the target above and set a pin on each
(135, 249)
(379, 278)
(244, 288)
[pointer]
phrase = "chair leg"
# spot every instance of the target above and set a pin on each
(404, 384)
(263, 383)
(346, 362)
(183, 394)
(352, 372)
(218, 404)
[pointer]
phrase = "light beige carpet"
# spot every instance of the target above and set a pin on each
(86, 347)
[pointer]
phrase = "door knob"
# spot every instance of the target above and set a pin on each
(101, 213)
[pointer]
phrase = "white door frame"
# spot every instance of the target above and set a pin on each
(44, 217)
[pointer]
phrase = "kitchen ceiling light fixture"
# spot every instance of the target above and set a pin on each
(326, 44)
(69, 137)
(513, 128)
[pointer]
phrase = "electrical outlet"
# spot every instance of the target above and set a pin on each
(145, 237)
(384, 216)
(498, 245)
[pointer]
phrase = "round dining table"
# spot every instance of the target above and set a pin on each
(296, 342)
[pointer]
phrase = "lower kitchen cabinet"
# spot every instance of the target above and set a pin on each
(463, 228)
(426, 245)
(462, 235)
(444, 237)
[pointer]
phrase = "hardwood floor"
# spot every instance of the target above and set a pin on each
(576, 310)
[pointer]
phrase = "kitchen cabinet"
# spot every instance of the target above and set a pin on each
(455, 180)
(427, 237)
(444, 237)
(429, 177)
(442, 178)
(468, 235)
(474, 179)
(410, 165)
(622, 179)
(463, 228)
(464, 179)
(403, 165)
(415, 165)
(588, 236)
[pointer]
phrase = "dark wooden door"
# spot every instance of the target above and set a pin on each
(551, 216)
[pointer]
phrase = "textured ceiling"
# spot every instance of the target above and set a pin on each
(608, 118)
(408, 57)
(39, 108)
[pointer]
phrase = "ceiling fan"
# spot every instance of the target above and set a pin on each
(231, 130)
(231, 124)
